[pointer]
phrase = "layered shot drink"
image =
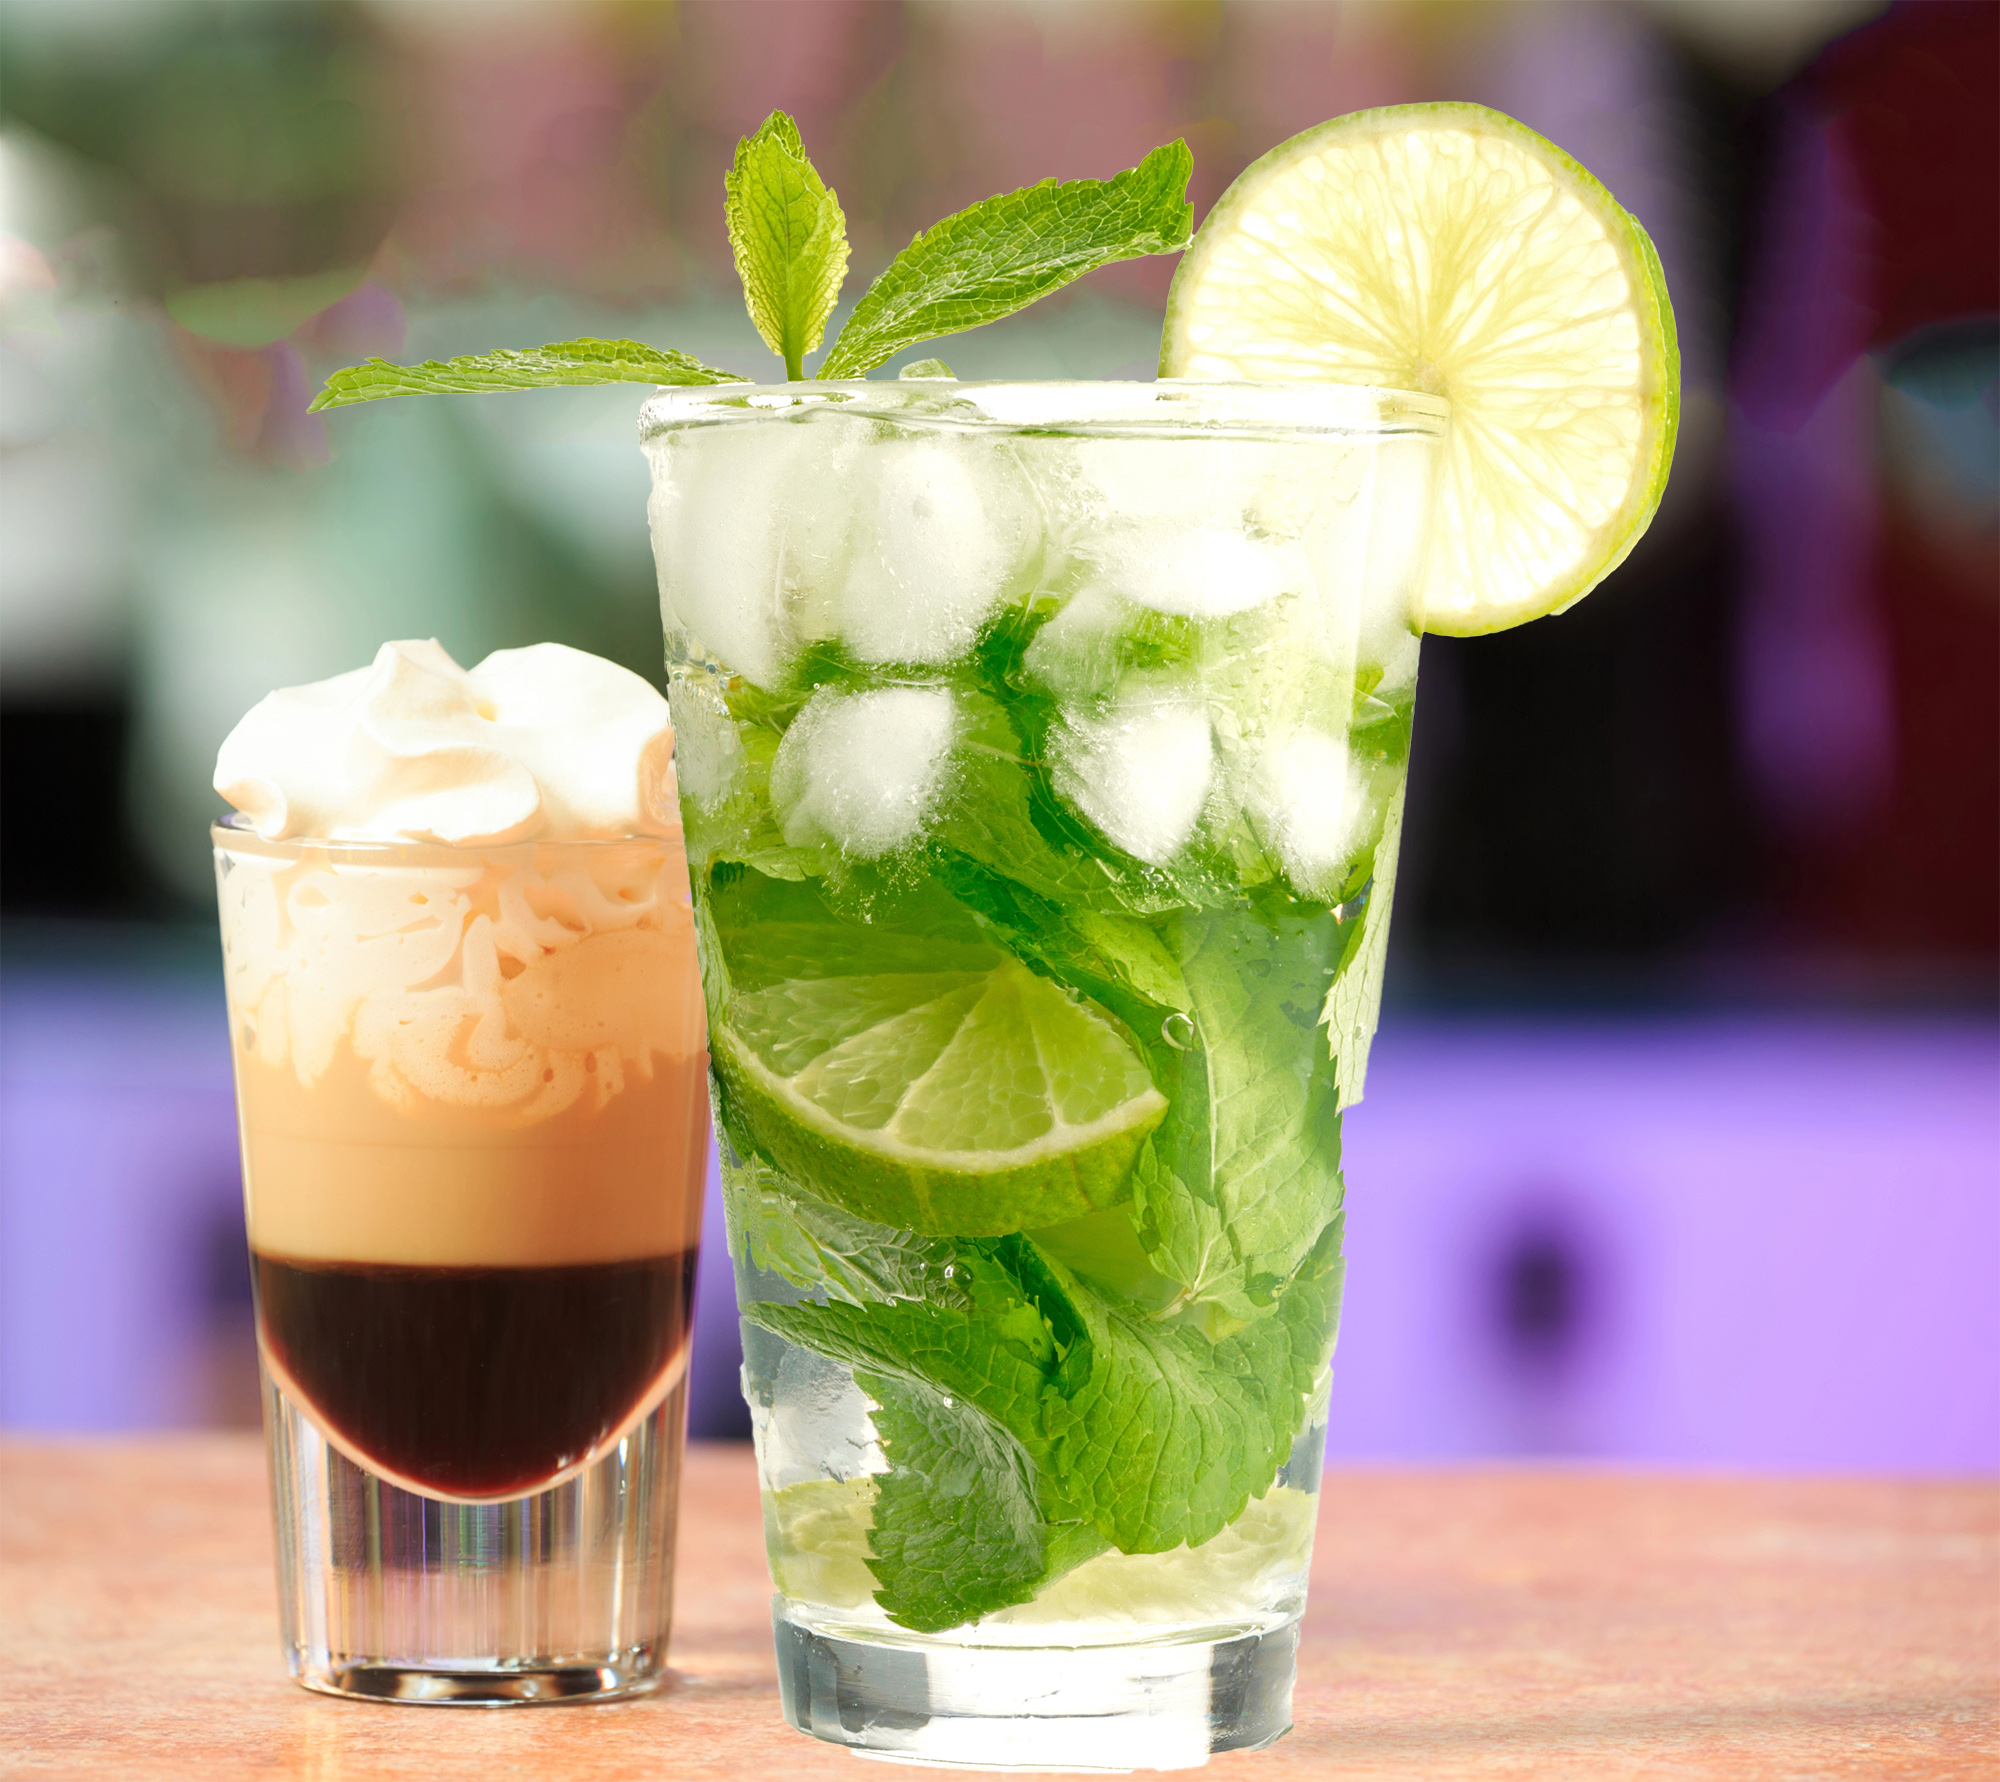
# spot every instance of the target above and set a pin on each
(470, 1078)
(1041, 754)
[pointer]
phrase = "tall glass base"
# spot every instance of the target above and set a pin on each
(1154, 1705)
(564, 1595)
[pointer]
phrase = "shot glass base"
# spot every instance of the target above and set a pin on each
(438, 1688)
(1153, 1705)
(388, 1595)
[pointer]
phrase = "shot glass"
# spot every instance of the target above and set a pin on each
(1041, 752)
(469, 1086)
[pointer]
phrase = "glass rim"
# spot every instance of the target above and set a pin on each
(235, 832)
(1177, 407)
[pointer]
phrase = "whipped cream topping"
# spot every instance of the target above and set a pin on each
(517, 987)
(545, 743)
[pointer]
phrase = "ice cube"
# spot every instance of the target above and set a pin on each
(1135, 480)
(1075, 653)
(716, 556)
(862, 770)
(1195, 572)
(1394, 651)
(818, 1424)
(945, 535)
(1368, 552)
(1271, 670)
(1309, 800)
(750, 533)
(709, 757)
(1140, 772)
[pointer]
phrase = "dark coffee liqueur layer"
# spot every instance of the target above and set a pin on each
(476, 1382)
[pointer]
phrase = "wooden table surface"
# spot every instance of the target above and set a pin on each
(1538, 1623)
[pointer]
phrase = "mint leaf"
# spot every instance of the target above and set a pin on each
(989, 1340)
(1001, 814)
(1132, 955)
(1000, 255)
(789, 239)
(826, 1250)
(1242, 1176)
(959, 1528)
(583, 361)
(1225, 1003)
(1355, 1000)
(1144, 1430)
(1168, 1436)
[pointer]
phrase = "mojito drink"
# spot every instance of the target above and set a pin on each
(1041, 751)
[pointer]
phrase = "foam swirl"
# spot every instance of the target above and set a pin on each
(517, 986)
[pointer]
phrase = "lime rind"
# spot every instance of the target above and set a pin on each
(1241, 307)
(1071, 1172)
(1667, 434)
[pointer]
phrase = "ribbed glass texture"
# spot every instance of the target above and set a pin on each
(391, 1594)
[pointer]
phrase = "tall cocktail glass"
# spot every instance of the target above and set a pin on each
(469, 1083)
(1041, 753)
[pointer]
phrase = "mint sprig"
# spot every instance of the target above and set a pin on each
(789, 240)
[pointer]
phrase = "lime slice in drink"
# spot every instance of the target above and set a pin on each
(816, 1533)
(958, 1102)
(1448, 249)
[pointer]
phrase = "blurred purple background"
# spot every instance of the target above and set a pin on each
(1745, 1241)
(1682, 1142)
